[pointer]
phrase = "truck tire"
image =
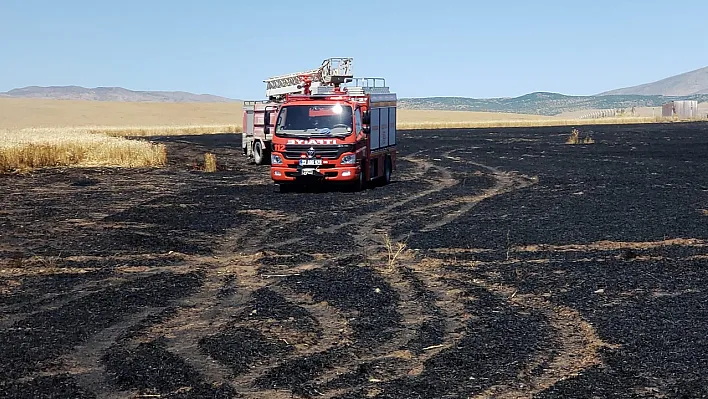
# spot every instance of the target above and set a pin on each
(360, 182)
(387, 171)
(259, 153)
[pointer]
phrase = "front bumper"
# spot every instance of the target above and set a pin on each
(282, 174)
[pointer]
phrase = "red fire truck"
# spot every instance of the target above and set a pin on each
(324, 126)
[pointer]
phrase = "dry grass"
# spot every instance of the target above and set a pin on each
(209, 162)
(394, 250)
(575, 138)
(34, 148)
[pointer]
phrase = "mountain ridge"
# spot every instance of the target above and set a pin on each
(684, 84)
(110, 94)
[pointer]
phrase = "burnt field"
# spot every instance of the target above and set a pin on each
(531, 268)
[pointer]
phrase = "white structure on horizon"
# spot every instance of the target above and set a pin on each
(683, 109)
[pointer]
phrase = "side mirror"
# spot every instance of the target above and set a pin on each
(366, 117)
(366, 129)
(266, 130)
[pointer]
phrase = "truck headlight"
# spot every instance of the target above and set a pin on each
(349, 159)
(276, 159)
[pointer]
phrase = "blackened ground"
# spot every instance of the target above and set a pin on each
(635, 184)
(296, 374)
(55, 386)
(239, 347)
(497, 344)
(150, 367)
(30, 344)
(268, 304)
(181, 283)
(367, 294)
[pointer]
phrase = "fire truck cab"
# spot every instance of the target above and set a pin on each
(325, 126)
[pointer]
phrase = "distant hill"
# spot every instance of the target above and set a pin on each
(110, 94)
(685, 84)
(541, 103)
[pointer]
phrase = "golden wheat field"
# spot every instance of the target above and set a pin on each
(41, 133)
(47, 147)
(21, 113)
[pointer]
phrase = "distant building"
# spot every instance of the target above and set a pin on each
(681, 109)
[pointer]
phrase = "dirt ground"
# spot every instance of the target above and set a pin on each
(531, 268)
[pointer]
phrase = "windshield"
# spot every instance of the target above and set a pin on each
(315, 120)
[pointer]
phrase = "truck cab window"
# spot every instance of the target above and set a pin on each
(316, 120)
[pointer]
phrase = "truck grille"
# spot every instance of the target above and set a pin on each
(294, 151)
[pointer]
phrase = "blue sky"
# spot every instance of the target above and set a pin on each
(425, 48)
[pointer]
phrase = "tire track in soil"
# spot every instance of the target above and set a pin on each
(408, 361)
(414, 316)
(577, 349)
(199, 315)
(119, 275)
(335, 331)
(504, 182)
(249, 281)
(104, 315)
(84, 363)
(424, 166)
(213, 305)
(576, 346)
(196, 315)
(578, 341)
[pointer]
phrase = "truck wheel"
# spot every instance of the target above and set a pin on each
(360, 183)
(258, 153)
(387, 171)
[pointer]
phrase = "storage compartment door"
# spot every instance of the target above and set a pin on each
(392, 126)
(384, 128)
(375, 128)
(249, 123)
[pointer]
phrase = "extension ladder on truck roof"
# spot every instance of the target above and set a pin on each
(358, 87)
(335, 70)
